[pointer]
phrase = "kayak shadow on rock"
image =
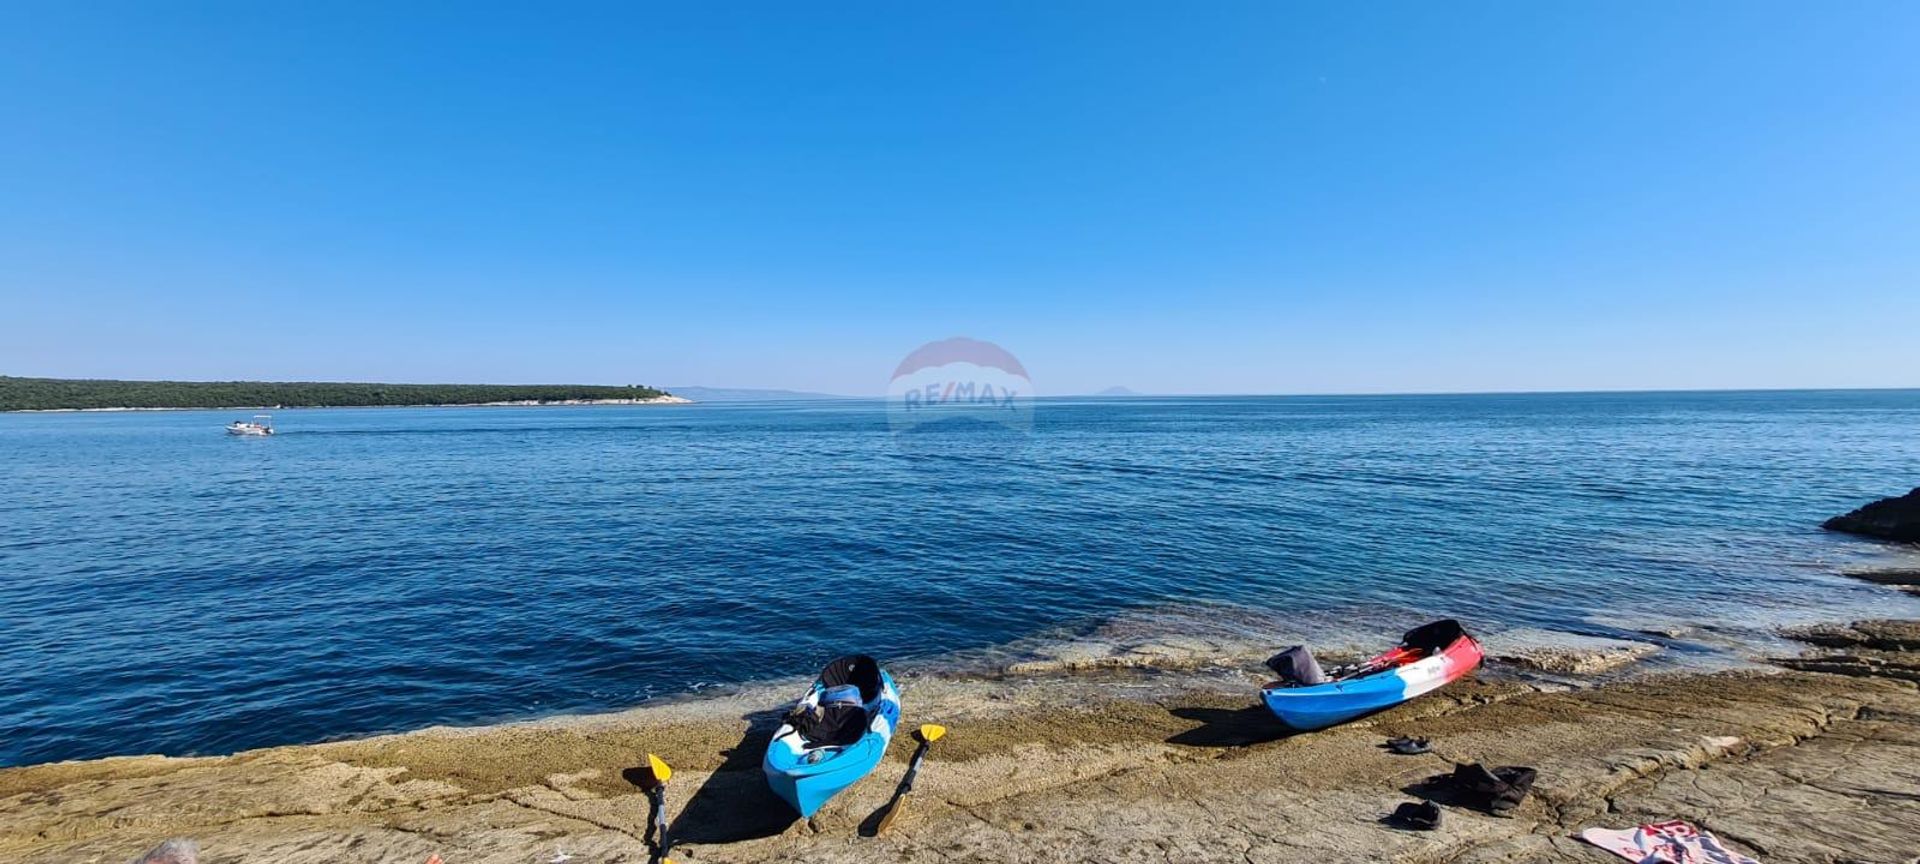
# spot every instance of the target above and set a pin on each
(735, 803)
(1229, 727)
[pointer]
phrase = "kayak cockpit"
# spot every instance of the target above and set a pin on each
(1297, 666)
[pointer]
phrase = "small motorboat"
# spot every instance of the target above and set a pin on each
(261, 424)
(834, 735)
(1426, 658)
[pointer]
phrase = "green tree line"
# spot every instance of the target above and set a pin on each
(21, 394)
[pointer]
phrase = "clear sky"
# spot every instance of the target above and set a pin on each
(1262, 197)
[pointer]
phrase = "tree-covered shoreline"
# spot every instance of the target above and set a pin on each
(52, 394)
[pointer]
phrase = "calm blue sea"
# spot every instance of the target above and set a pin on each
(165, 588)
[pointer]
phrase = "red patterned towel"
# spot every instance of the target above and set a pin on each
(1673, 842)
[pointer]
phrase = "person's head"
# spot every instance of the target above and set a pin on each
(176, 851)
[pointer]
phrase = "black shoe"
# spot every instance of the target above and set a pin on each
(1499, 790)
(1518, 782)
(1417, 816)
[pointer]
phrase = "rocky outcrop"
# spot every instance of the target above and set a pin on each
(1883, 635)
(1904, 579)
(1885, 519)
(1863, 649)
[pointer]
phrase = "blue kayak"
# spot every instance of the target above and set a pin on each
(1426, 658)
(835, 734)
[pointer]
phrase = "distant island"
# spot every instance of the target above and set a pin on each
(1116, 391)
(65, 394)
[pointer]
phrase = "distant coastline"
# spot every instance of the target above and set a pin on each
(668, 399)
(64, 395)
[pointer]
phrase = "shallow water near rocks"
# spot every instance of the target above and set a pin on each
(165, 588)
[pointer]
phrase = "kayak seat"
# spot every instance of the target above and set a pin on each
(857, 670)
(1433, 638)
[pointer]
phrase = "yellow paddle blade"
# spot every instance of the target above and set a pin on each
(661, 771)
(932, 731)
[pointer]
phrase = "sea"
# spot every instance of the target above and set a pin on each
(167, 588)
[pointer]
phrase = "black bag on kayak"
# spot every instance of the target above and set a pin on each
(839, 718)
(828, 725)
(1296, 667)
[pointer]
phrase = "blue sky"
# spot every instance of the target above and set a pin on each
(1262, 197)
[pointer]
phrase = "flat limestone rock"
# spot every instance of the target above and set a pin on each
(1059, 774)
(1863, 649)
(1880, 634)
(1168, 652)
(1559, 653)
(1073, 767)
(1839, 796)
(1859, 664)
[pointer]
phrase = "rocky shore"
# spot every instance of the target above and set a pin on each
(1811, 760)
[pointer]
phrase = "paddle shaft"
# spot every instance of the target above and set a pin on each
(913, 767)
(663, 844)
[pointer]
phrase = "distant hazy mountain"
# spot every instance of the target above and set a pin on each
(1110, 391)
(741, 394)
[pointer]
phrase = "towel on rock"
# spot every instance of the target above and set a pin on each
(1673, 842)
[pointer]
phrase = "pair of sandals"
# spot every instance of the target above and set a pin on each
(1409, 746)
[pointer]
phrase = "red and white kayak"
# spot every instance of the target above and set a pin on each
(1426, 658)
